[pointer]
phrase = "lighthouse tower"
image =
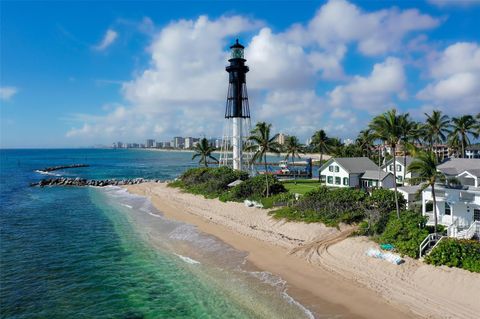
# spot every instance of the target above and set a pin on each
(237, 114)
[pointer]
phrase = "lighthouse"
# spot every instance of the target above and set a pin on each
(237, 113)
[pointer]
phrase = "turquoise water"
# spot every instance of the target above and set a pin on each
(103, 253)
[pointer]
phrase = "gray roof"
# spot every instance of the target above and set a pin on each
(355, 165)
(373, 174)
(410, 189)
(400, 160)
(455, 166)
(473, 147)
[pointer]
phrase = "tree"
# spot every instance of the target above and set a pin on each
(204, 151)
(293, 148)
(263, 144)
(387, 127)
(365, 141)
(409, 135)
(425, 167)
(321, 143)
(436, 128)
(462, 127)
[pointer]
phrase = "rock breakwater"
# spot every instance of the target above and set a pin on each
(65, 181)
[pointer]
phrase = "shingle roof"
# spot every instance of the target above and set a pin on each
(373, 174)
(354, 165)
(410, 189)
(400, 160)
(455, 166)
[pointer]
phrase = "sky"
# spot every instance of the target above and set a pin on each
(78, 74)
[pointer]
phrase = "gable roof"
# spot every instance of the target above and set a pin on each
(373, 174)
(399, 160)
(456, 166)
(355, 165)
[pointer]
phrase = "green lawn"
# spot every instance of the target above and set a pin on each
(301, 186)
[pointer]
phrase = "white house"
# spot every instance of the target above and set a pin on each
(359, 172)
(458, 206)
(403, 177)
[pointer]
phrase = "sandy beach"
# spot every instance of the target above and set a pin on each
(326, 270)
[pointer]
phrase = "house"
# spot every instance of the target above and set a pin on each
(412, 195)
(403, 177)
(472, 151)
(458, 204)
(359, 172)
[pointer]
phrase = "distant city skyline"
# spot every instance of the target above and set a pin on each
(78, 74)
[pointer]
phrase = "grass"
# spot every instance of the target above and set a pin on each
(301, 186)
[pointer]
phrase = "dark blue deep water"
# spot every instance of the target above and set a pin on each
(102, 253)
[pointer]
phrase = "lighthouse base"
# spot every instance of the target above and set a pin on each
(235, 151)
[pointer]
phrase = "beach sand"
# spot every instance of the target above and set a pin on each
(326, 270)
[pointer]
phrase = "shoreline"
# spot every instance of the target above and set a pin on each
(331, 275)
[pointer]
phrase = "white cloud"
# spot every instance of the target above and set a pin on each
(375, 92)
(339, 22)
(455, 78)
(183, 89)
(451, 3)
(108, 39)
(7, 92)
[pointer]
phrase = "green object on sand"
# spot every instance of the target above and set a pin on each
(387, 246)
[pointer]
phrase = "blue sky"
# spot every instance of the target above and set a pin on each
(83, 73)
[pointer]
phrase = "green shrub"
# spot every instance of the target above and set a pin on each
(405, 233)
(256, 188)
(456, 253)
(378, 207)
(208, 181)
(328, 205)
(282, 199)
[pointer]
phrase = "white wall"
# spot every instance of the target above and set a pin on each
(400, 165)
(342, 173)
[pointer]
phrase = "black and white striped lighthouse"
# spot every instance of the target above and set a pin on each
(237, 112)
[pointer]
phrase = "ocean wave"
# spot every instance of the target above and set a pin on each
(126, 205)
(188, 260)
(292, 301)
(47, 173)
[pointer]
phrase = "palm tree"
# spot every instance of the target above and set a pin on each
(263, 144)
(387, 127)
(293, 148)
(365, 141)
(462, 127)
(204, 150)
(410, 134)
(321, 143)
(425, 167)
(436, 128)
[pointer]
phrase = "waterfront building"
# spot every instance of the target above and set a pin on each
(358, 172)
(403, 176)
(458, 199)
(188, 142)
(150, 143)
(178, 142)
(472, 151)
(281, 138)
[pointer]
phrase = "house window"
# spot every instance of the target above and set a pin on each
(429, 206)
(390, 168)
(330, 168)
(448, 209)
(345, 181)
(337, 169)
(369, 183)
(338, 180)
(330, 179)
(323, 178)
(399, 168)
(476, 214)
(399, 178)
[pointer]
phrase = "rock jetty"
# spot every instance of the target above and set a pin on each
(56, 168)
(64, 181)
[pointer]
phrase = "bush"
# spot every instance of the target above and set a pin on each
(256, 188)
(378, 207)
(208, 181)
(330, 206)
(405, 233)
(456, 253)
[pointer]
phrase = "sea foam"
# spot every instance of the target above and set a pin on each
(188, 260)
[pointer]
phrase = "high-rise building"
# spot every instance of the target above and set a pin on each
(281, 138)
(167, 145)
(150, 143)
(178, 142)
(158, 145)
(188, 142)
(119, 144)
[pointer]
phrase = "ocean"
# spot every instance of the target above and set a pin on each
(85, 252)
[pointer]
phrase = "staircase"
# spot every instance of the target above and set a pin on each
(430, 242)
(472, 231)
